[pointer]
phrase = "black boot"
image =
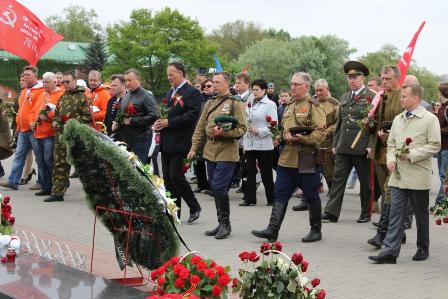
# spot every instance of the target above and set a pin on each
(218, 212)
(302, 206)
(224, 227)
(315, 212)
(377, 240)
(277, 215)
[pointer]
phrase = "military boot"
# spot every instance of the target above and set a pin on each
(224, 227)
(315, 213)
(377, 240)
(277, 215)
(218, 212)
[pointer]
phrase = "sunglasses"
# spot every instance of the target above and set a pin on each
(207, 86)
(66, 82)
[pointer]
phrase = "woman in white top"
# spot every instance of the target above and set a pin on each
(257, 143)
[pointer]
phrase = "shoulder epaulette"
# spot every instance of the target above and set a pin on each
(214, 97)
(314, 101)
(334, 101)
(235, 97)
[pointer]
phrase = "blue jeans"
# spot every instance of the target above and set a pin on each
(289, 178)
(140, 147)
(220, 176)
(25, 142)
(442, 161)
(43, 150)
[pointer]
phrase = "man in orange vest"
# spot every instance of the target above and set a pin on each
(98, 96)
(27, 100)
(42, 118)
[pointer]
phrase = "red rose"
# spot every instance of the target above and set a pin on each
(265, 246)
(178, 268)
(244, 255)
(185, 168)
(209, 273)
(194, 279)
(438, 221)
(273, 123)
(196, 259)
(249, 104)
(216, 291)
(445, 220)
(297, 258)
(64, 118)
(321, 294)
(220, 270)
(179, 283)
(253, 257)
(304, 266)
(165, 102)
(154, 275)
(277, 246)
(235, 282)
(408, 141)
(213, 264)
(184, 274)
(6, 199)
(268, 118)
(315, 282)
(160, 291)
(12, 219)
(161, 281)
(224, 280)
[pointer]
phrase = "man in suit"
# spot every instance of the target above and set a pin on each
(118, 90)
(136, 130)
(352, 107)
(184, 107)
(417, 131)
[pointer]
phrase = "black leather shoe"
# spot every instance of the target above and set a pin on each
(363, 219)
(383, 259)
(268, 234)
(42, 193)
(8, 185)
(377, 240)
(223, 232)
(212, 232)
(193, 217)
(312, 236)
(209, 193)
(376, 224)
(302, 206)
(246, 204)
(197, 190)
(420, 255)
(329, 217)
(54, 198)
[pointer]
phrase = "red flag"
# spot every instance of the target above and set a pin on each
(23, 34)
(405, 60)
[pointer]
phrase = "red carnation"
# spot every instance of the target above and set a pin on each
(154, 275)
(174, 260)
(12, 219)
(202, 266)
(273, 123)
(213, 264)
(178, 268)
(161, 281)
(160, 291)
(321, 294)
(445, 219)
(196, 259)
(438, 221)
(194, 279)
(315, 282)
(297, 258)
(408, 141)
(244, 255)
(268, 118)
(220, 270)
(184, 274)
(216, 291)
(64, 118)
(235, 282)
(265, 247)
(209, 273)
(179, 283)
(6, 199)
(165, 102)
(304, 266)
(253, 257)
(277, 246)
(224, 280)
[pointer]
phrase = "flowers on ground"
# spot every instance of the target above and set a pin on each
(7, 218)
(277, 276)
(441, 212)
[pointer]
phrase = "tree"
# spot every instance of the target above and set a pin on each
(78, 24)
(96, 55)
(149, 41)
(235, 37)
(276, 60)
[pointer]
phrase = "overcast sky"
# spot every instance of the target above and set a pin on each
(367, 25)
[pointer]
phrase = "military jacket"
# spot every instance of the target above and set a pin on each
(304, 112)
(350, 112)
(331, 108)
(226, 147)
(389, 108)
(72, 105)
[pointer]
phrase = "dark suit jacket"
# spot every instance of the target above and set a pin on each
(182, 119)
(109, 118)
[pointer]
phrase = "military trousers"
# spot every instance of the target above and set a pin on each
(220, 175)
(383, 180)
(288, 179)
(329, 167)
(343, 166)
(61, 169)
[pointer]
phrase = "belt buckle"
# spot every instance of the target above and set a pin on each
(212, 139)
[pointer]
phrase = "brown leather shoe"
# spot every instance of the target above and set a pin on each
(36, 187)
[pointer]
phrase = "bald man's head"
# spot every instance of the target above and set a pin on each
(410, 80)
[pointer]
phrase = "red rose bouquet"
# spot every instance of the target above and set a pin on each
(192, 276)
(273, 127)
(7, 219)
(128, 112)
(59, 122)
(44, 111)
(278, 277)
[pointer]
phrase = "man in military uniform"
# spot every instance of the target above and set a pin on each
(331, 108)
(297, 162)
(71, 105)
(353, 107)
(220, 147)
(389, 108)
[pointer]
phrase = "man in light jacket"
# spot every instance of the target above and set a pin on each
(414, 138)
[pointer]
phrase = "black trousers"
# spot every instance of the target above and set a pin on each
(342, 168)
(175, 181)
(264, 159)
(201, 174)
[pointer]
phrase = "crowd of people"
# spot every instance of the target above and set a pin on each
(233, 131)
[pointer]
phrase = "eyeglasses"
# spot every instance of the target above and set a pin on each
(208, 86)
(66, 82)
(296, 84)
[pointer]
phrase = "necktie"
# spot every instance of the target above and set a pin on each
(408, 114)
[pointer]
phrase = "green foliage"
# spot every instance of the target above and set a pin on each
(77, 25)
(150, 40)
(96, 55)
(276, 60)
(111, 180)
(428, 80)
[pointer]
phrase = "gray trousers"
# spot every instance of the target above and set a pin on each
(398, 210)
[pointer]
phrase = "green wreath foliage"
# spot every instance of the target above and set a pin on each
(110, 179)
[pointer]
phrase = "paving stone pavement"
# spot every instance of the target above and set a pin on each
(339, 260)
